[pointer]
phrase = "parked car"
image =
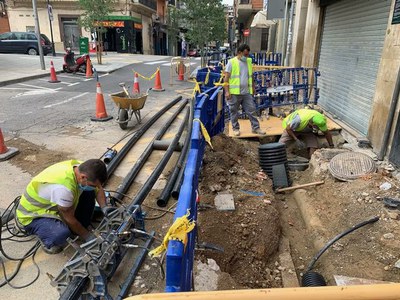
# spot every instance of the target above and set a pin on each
(194, 53)
(23, 42)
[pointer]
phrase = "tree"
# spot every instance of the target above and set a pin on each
(173, 25)
(204, 21)
(95, 12)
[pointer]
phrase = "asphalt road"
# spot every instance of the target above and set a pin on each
(39, 106)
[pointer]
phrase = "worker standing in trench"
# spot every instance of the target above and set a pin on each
(60, 201)
(300, 126)
(240, 89)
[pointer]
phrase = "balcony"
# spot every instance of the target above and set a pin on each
(149, 5)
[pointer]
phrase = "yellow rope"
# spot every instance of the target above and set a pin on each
(147, 78)
(178, 231)
(204, 132)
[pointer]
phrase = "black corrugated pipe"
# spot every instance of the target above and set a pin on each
(389, 123)
(126, 183)
(179, 178)
(166, 193)
(148, 185)
(125, 149)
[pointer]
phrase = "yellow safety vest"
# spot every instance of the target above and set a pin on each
(234, 79)
(305, 116)
(33, 206)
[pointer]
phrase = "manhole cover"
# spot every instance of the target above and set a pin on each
(351, 165)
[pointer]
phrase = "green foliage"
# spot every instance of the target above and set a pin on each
(204, 21)
(95, 10)
(173, 23)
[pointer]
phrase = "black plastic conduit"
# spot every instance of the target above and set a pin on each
(313, 279)
(179, 179)
(148, 185)
(166, 193)
(138, 134)
(126, 183)
(389, 123)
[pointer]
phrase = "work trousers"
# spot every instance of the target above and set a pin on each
(54, 232)
(248, 106)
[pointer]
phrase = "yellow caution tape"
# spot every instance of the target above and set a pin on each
(147, 78)
(204, 132)
(178, 231)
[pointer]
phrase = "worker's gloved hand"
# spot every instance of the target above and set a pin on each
(107, 210)
(300, 144)
(90, 237)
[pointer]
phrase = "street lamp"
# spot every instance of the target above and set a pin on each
(51, 18)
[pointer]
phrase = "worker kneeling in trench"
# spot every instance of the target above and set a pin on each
(60, 201)
(301, 127)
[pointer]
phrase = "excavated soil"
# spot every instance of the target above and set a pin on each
(250, 234)
(372, 251)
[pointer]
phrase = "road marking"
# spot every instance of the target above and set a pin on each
(156, 62)
(15, 88)
(72, 84)
(41, 79)
(66, 101)
(88, 79)
(104, 75)
(169, 64)
(38, 87)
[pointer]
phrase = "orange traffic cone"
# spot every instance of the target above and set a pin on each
(6, 153)
(53, 76)
(136, 88)
(157, 85)
(181, 71)
(89, 73)
(101, 113)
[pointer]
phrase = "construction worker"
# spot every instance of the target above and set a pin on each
(60, 201)
(301, 125)
(240, 89)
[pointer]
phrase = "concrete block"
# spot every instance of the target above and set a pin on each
(224, 201)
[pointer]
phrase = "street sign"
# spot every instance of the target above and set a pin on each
(50, 11)
(246, 32)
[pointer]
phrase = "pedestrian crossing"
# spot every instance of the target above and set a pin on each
(165, 63)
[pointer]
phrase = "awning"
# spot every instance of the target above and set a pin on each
(260, 20)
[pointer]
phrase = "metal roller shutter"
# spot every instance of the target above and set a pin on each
(351, 46)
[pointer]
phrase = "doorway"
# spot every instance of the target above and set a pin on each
(71, 33)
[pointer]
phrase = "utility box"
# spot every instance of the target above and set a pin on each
(83, 45)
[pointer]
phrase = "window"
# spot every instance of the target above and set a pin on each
(6, 36)
(30, 28)
(31, 37)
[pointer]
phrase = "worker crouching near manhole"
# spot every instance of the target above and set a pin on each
(59, 202)
(301, 126)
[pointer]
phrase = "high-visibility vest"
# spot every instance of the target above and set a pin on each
(33, 206)
(234, 79)
(305, 116)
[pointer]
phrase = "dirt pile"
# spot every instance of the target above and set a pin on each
(250, 234)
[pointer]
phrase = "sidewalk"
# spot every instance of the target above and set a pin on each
(20, 67)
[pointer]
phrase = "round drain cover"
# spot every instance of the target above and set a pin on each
(351, 165)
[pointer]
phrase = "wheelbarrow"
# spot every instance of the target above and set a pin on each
(128, 105)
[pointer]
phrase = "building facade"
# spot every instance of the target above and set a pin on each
(128, 29)
(355, 44)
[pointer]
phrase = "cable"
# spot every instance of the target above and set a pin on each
(336, 238)
(16, 271)
(163, 214)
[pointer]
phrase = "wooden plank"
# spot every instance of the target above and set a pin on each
(273, 127)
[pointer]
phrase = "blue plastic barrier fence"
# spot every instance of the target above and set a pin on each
(289, 86)
(267, 58)
(209, 109)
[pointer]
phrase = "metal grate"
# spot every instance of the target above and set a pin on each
(351, 165)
